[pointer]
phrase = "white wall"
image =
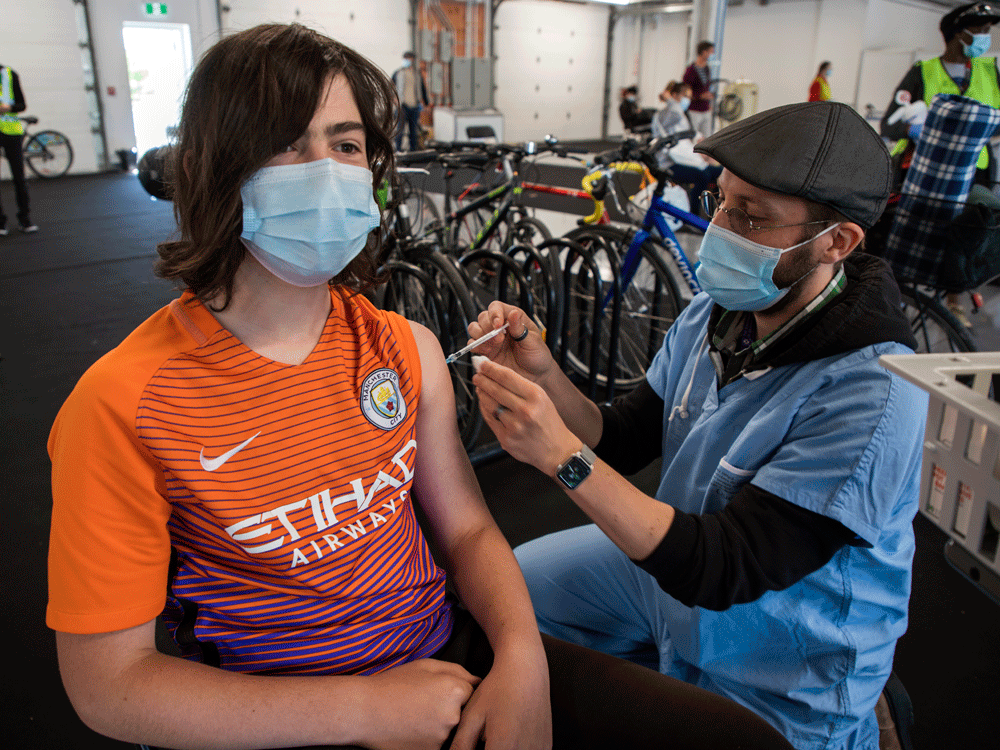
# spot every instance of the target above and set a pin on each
(378, 29)
(550, 55)
(649, 52)
(106, 19)
(41, 45)
(550, 68)
(772, 45)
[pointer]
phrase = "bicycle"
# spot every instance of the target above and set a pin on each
(646, 261)
(48, 153)
(505, 253)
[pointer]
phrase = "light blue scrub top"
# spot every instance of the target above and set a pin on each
(840, 436)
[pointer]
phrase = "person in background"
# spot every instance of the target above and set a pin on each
(634, 117)
(692, 170)
(962, 69)
(412, 92)
(12, 138)
(773, 565)
(819, 89)
(245, 466)
(699, 77)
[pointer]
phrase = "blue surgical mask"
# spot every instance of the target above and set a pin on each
(737, 272)
(306, 222)
(406, 62)
(685, 102)
(979, 47)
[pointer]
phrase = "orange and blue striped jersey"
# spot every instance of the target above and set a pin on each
(285, 492)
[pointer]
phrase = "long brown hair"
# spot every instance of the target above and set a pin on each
(251, 96)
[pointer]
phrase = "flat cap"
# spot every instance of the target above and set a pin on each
(822, 151)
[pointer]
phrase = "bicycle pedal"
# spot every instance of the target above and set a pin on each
(977, 301)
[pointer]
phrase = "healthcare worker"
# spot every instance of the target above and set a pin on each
(963, 69)
(773, 564)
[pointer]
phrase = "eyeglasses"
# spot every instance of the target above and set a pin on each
(739, 222)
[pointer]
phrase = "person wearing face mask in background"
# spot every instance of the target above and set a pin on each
(692, 170)
(411, 89)
(963, 69)
(245, 465)
(634, 117)
(819, 89)
(773, 564)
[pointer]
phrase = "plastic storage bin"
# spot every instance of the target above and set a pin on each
(960, 479)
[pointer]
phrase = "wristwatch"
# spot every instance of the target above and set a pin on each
(576, 468)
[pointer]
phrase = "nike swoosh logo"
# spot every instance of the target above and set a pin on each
(211, 464)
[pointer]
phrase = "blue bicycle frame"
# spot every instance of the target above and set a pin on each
(654, 220)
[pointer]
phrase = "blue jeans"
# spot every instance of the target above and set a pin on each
(410, 117)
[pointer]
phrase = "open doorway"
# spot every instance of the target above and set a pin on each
(158, 56)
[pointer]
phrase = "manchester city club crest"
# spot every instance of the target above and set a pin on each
(381, 399)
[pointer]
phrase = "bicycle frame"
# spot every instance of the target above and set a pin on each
(600, 212)
(508, 191)
(655, 221)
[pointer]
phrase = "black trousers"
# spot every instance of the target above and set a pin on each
(600, 702)
(15, 157)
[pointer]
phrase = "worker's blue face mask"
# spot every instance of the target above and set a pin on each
(979, 47)
(406, 62)
(685, 102)
(737, 272)
(306, 222)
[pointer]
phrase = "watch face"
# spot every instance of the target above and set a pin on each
(574, 472)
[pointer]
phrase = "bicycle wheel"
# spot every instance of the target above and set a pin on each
(525, 230)
(495, 276)
(649, 305)
(937, 331)
(421, 209)
(410, 291)
(459, 310)
(48, 154)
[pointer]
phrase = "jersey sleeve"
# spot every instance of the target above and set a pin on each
(109, 549)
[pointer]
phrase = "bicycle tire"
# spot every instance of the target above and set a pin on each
(48, 153)
(459, 312)
(495, 276)
(421, 209)
(649, 307)
(937, 331)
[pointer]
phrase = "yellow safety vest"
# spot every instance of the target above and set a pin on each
(983, 87)
(9, 123)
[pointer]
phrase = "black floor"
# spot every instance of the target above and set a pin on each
(74, 290)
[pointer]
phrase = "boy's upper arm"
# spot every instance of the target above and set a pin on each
(444, 482)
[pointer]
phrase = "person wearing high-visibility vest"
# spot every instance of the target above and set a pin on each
(11, 137)
(819, 89)
(961, 70)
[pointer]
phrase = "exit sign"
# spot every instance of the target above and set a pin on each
(156, 9)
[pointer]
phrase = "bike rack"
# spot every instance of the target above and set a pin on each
(576, 250)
